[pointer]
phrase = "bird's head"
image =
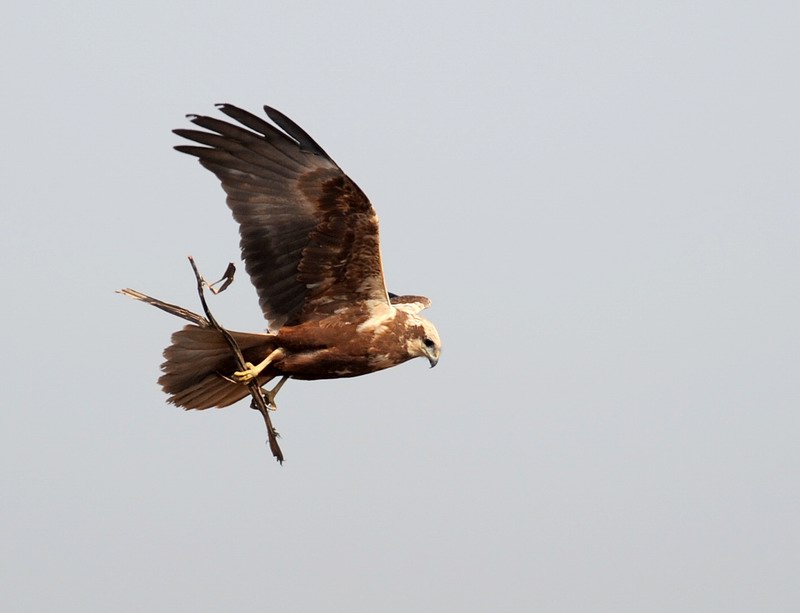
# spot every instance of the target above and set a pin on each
(425, 343)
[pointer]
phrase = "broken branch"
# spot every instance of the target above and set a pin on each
(255, 389)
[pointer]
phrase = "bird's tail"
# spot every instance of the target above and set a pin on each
(198, 362)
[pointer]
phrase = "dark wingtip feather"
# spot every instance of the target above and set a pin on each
(225, 107)
(192, 150)
(296, 132)
(253, 122)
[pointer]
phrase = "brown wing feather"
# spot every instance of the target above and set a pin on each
(309, 235)
(414, 304)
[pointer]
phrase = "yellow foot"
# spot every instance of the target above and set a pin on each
(247, 375)
(251, 372)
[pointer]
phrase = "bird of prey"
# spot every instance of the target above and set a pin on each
(309, 240)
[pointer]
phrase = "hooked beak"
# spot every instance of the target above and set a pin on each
(433, 357)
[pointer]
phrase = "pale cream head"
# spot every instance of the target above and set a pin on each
(427, 343)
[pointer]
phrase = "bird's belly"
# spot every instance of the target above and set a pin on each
(327, 364)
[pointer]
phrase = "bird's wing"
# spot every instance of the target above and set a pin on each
(410, 304)
(309, 235)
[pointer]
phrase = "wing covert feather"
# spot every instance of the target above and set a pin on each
(309, 235)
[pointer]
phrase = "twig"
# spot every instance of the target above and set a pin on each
(227, 278)
(172, 309)
(255, 389)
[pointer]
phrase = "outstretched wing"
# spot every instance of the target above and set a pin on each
(309, 235)
(410, 304)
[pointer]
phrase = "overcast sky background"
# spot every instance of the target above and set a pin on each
(600, 198)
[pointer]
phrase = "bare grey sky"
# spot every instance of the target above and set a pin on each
(601, 199)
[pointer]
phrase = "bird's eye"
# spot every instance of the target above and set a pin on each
(429, 343)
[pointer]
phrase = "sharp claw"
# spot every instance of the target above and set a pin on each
(269, 399)
(244, 376)
(250, 372)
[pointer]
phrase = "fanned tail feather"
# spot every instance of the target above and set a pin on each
(197, 364)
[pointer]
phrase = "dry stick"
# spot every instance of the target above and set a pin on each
(227, 278)
(172, 309)
(255, 389)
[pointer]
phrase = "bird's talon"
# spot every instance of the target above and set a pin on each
(247, 375)
(269, 400)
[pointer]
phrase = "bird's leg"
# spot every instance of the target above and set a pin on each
(269, 395)
(251, 372)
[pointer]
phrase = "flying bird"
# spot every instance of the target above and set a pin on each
(309, 240)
